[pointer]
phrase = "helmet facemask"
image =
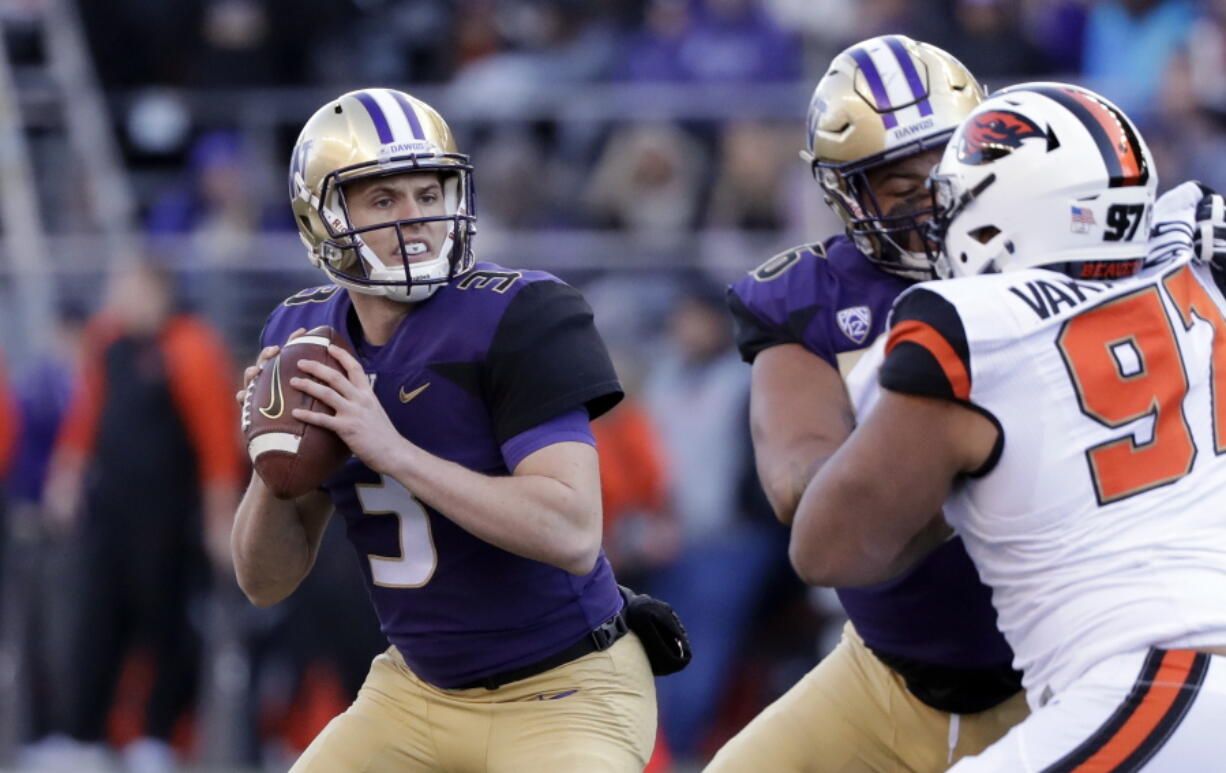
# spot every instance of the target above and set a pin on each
(348, 257)
(897, 241)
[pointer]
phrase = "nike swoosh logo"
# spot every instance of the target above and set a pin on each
(407, 396)
(276, 402)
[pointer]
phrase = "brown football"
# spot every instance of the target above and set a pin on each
(291, 456)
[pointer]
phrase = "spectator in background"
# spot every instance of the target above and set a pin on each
(1058, 28)
(1187, 140)
(146, 471)
(748, 194)
(697, 394)
(709, 41)
(640, 531)
(43, 392)
(647, 181)
(1205, 60)
(214, 218)
(989, 38)
(10, 421)
(10, 425)
(219, 203)
(1129, 45)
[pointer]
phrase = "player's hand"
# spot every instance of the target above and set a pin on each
(1209, 240)
(266, 354)
(1190, 216)
(359, 419)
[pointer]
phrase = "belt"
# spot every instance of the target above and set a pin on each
(596, 640)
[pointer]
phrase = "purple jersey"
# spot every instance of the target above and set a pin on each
(492, 354)
(833, 302)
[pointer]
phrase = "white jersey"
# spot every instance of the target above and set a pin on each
(1101, 524)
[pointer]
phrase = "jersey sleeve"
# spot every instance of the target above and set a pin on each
(927, 353)
(754, 334)
(777, 302)
(546, 358)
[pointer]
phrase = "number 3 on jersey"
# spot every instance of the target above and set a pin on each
(1125, 364)
(414, 566)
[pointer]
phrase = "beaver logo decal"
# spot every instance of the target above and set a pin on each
(995, 134)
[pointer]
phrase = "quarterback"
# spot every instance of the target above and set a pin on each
(472, 498)
(1062, 398)
(922, 675)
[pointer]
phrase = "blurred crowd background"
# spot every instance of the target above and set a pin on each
(643, 150)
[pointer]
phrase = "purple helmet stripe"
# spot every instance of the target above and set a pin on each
(876, 85)
(913, 78)
(376, 115)
(411, 114)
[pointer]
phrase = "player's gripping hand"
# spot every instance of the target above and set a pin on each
(251, 371)
(359, 419)
(1209, 239)
(1190, 217)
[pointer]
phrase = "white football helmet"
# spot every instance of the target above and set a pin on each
(882, 100)
(369, 133)
(1044, 174)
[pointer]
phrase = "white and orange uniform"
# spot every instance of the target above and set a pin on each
(1100, 522)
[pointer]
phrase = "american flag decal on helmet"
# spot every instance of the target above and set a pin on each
(1082, 219)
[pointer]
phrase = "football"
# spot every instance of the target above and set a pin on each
(291, 456)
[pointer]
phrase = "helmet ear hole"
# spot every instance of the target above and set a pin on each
(984, 234)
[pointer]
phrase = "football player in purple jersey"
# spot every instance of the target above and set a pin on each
(922, 676)
(472, 497)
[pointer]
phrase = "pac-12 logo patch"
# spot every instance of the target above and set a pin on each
(855, 322)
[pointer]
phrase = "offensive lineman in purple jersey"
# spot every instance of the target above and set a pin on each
(473, 494)
(922, 676)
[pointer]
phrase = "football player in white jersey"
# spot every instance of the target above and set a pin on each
(1063, 400)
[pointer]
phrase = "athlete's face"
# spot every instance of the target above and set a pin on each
(399, 197)
(899, 189)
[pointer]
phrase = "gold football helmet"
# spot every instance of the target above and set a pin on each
(882, 100)
(370, 133)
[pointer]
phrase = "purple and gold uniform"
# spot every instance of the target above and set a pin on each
(498, 662)
(496, 355)
(919, 648)
(496, 365)
(831, 301)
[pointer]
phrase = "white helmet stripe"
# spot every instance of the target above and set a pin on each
(896, 86)
(397, 120)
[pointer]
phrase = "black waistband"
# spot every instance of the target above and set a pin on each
(954, 690)
(597, 640)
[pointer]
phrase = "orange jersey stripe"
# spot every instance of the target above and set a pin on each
(1173, 674)
(1125, 150)
(925, 335)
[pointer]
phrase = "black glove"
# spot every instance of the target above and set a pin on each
(660, 631)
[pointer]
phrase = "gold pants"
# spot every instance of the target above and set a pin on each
(596, 713)
(852, 714)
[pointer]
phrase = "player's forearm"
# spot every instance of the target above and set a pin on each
(786, 475)
(533, 516)
(272, 548)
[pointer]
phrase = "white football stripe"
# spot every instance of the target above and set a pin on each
(316, 340)
(273, 441)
